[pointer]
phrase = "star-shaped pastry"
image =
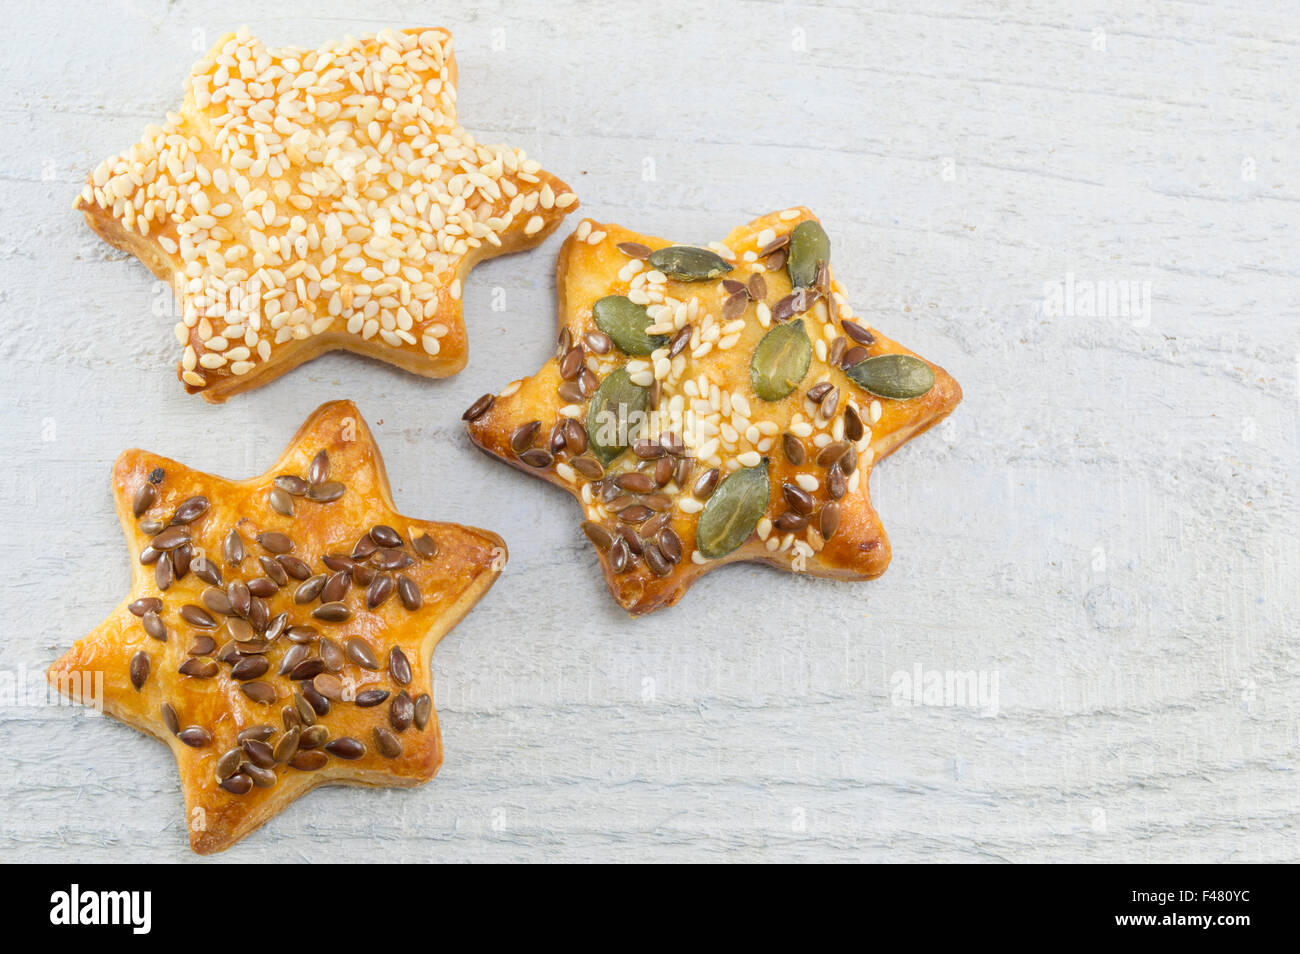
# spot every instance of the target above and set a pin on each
(713, 405)
(304, 201)
(279, 630)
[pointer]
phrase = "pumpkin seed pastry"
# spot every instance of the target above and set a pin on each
(279, 630)
(305, 201)
(714, 405)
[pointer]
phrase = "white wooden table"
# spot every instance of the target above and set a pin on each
(1107, 527)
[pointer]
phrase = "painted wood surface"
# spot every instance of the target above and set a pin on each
(1105, 531)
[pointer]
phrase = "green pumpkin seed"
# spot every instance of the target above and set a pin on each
(688, 264)
(733, 511)
(780, 361)
(809, 246)
(625, 322)
(617, 410)
(897, 376)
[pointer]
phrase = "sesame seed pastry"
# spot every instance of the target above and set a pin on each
(279, 630)
(714, 405)
(305, 201)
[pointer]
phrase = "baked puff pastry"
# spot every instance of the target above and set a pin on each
(714, 405)
(279, 630)
(304, 201)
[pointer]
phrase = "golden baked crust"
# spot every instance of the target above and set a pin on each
(308, 201)
(448, 581)
(707, 415)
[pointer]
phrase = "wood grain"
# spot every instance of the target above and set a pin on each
(1108, 523)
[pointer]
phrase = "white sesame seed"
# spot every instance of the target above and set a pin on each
(807, 481)
(689, 505)
(749, 459)
(789, 214)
